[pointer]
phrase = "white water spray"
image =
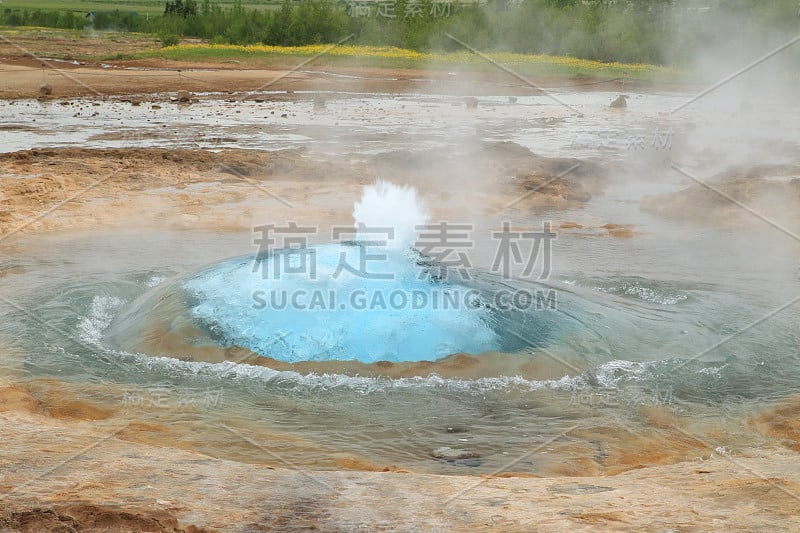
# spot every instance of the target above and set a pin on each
(386, 205)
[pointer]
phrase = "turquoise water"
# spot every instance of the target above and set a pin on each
(394, 312)
(629, 341)
(673, 318)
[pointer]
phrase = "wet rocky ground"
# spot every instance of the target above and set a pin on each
(66, 474)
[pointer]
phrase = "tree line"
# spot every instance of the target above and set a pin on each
(634, 31)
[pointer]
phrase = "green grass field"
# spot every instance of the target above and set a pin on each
(389, 57)
(110, 45)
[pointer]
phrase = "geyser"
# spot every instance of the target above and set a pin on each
(369, 297)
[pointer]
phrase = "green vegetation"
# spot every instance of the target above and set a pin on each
(142, 7)
(390, 57)
(627, 31)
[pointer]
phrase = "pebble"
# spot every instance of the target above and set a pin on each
(449, 454)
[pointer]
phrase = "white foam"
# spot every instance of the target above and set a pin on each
(101, 313)
(229, 370)
(647, 294)
(154, 281)
(609, 374)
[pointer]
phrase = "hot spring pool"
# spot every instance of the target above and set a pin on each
(185, 334)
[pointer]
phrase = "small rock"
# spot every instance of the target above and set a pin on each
(45, 90)
(619, 102)
(184, 97)
(451, 454)
(471, 102)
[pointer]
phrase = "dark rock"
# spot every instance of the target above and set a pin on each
(619, 102)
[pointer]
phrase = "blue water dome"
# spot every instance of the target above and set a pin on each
(371, 298)
(399, 313)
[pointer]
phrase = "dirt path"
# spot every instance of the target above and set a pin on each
(25, 80)
(25, 77)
